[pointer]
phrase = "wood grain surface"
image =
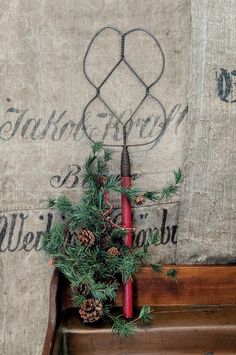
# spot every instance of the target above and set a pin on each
(202, 299)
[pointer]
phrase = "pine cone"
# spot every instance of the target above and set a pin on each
(102, 179)
(105, 242)
(113, 251)
(82, 290)
(91, 310)
(139, 200)
(86, 237)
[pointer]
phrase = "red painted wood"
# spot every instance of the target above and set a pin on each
(127, 223)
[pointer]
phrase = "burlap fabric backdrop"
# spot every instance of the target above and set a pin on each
(43, 146)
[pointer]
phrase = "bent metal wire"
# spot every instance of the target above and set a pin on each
(123, 59)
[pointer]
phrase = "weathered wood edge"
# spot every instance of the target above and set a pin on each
(52, 315)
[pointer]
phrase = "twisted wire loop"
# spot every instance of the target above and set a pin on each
(142, 82)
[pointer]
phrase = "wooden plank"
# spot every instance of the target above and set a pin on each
(172, 331)
(196, 285)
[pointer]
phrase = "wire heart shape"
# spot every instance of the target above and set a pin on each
(123, 61)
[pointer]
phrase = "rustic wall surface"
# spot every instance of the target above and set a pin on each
(208, 215)
(43, 145)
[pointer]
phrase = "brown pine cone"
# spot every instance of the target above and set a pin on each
(91, 310)
(105, 242)
(139, 200)
(102, 179)
(113, 251)
(83, 290)
(86, 237)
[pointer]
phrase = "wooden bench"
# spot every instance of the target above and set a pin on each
(196, 315)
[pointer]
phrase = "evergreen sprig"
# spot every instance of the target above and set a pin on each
(125, 328)
(122, 327)
(53, 240)
(104, 291)
(101, 266)
(168, 191)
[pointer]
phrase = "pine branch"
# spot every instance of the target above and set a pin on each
(145, 314)
(104, 292)
(96, 147)
(126, 328)
(127, 267)
(171, 273)
(85, 215)
(68, 271)
(122, 327)
(111, 183)
(51, 202)
(107, 154)
(64, 205)
(92, 170)
(54, 239)
(131, 262)
(156, 267)
(78, 299)
(118, 234)
(101, 168)
(167, 191)
(84, 277)
(153, 239)
(179, 178)
(89, 161)
(151, 195)
(107, 310)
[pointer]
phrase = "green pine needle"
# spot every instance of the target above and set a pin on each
(51, 202)
(178, 176)
(172, 273)
(156, 267)
(145, 314)
(170, 190)
(122, 327)
(167, 191)
(78, 299)
(125, 328)
(152, 239)
(54, 239)
(118, 233)
(127, 267)
(64, 205)
(107, 154)
(111, 183)
(151, 195)
(104, 292)
(96, 147)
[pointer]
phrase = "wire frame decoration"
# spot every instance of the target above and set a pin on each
(125, 160)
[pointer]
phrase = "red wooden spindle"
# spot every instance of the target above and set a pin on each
(127, 224)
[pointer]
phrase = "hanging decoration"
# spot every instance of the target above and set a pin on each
(88, 247)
